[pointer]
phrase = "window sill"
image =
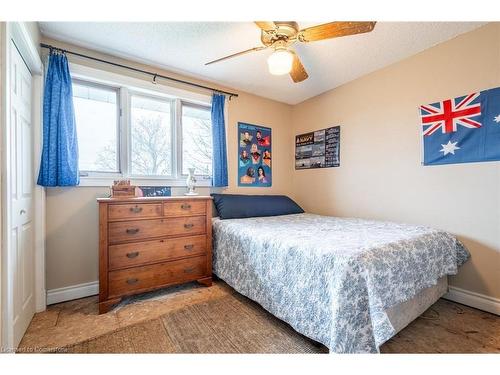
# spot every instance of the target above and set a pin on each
(108, 182)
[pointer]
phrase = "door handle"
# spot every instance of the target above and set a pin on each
(135, 209)
(22, 212)
(185, 206)
(132, 281)
(189, 247)
(189, 270)
(188, 225)
(132, 254)
(132, 231)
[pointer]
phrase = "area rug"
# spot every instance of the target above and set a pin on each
(231, 324)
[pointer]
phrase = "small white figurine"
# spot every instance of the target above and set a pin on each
(190, 182)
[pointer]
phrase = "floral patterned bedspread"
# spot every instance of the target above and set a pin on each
(333, 278)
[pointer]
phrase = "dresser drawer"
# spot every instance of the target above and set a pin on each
(146, 277)
(139, 253)
(134, 210)
(145, 229)
(184, 207)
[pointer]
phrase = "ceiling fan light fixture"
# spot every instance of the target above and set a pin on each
(280, 62)
(282, 35)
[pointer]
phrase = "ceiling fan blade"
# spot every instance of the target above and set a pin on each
(334, 30)
(237, 54)
(266, 25)
(298, 72)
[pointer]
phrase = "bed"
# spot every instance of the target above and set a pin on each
(350, 284)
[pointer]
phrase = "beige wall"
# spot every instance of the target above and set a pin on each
(72, 236)
(381, 176)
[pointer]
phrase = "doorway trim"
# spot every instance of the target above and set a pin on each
(19, 34)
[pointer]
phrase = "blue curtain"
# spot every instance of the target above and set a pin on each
(219, 153)
(59, 165)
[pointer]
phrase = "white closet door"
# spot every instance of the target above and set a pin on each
(21, 254)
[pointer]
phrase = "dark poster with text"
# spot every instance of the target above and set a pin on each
(318, 149)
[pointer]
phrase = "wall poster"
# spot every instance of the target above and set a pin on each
(318, 149)
(254, 155)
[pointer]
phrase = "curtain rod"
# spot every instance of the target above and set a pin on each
(154, 75)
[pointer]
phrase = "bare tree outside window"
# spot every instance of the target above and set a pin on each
(151, 148)
(106, 157)
(151, 144)
(196, 140)
(151, 137)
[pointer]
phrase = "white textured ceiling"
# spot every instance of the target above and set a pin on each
(184, 47)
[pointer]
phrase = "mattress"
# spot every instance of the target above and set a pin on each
(339, 281)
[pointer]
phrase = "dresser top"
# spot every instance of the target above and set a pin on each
(149, 199)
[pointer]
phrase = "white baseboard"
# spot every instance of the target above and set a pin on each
(472, 299)
(69, 293)
(465, 297)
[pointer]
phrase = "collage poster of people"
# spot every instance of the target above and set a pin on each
(319, 149)
(254, 155)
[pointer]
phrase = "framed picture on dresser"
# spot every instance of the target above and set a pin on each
(254, 155)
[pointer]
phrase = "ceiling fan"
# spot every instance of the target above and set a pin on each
(281, 35)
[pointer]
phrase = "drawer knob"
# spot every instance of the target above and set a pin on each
(189, 247)
(189, 270)
(132, 230)
(133, 254)
(185, 206)
(188, 225)
(135, 209)
(132, 281)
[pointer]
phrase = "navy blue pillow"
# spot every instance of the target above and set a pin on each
(237, 206)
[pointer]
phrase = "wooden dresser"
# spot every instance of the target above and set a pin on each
(150, 243)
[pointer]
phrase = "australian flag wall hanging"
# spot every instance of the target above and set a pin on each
(462, 130)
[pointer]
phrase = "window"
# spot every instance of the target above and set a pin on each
(96, 116)
(196, 139)
(151, 136)
(135, 133)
